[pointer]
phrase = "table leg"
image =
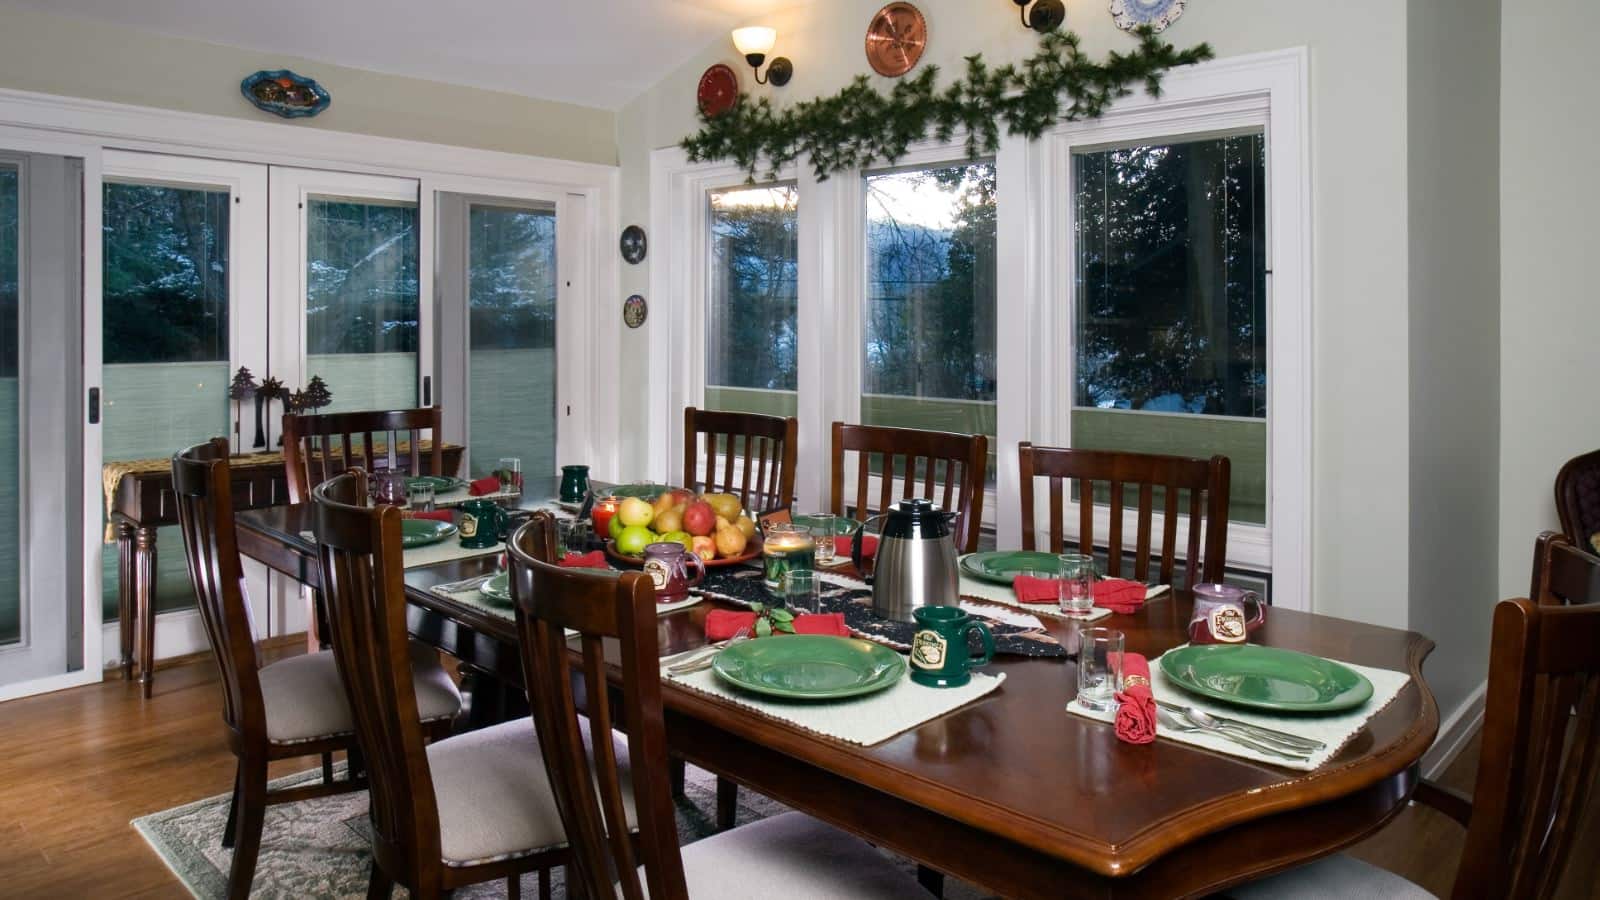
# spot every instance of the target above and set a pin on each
(127, 624)
(313, 619)
(144, 596)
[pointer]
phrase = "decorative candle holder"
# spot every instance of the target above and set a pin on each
(784, 547)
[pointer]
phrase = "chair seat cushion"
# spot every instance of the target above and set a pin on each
(1334, 878)
(305, 700)
(796, 857)
(494, 797)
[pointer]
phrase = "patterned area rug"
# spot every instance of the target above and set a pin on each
(319, 848)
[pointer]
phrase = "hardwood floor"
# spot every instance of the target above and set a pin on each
(80, 764)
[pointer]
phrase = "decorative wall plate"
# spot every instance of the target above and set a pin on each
(635, 311)
(896, 38)
(718, 91)
(1158, 14)
(283, 93)
(633, 245)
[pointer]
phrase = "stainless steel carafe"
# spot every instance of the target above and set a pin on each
(916, 560)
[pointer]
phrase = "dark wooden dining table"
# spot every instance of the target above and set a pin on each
(1010, 793)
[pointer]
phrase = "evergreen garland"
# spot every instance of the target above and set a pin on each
(860, 126)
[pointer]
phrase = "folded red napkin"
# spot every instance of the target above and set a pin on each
(722, 624)
(869, 546)
(438, 515)
(1116, 594)
(488, 484)
(1136, 706)
(595, 559)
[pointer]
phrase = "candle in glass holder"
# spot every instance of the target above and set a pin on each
(786, 547)
(604, 509)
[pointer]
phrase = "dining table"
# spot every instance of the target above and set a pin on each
(1011, 792)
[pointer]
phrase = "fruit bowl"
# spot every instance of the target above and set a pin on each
(714, 527)
(751, 551)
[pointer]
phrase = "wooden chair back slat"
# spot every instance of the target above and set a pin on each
(1563, 572)
(1578, 497)
(1206, 481)
(1538, 764)
(760, 448)
(319, 447)
(603, 609)
(203, 490)
(938, 466)
(360, 554)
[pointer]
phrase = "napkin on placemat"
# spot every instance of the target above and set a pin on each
(488, 484)
(437, 515)
(594, 559)
(869, 546)
(722, 624)
(1116, 594)
(1136, 705)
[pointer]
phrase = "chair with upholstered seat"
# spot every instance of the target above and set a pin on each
(941, 466)
(468, 809)
(789, 855)
(290, 708)
(1578, 500)
(1541, 746)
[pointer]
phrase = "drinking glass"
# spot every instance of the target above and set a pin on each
(1100, 667)
(509, 470)
(802, 591)
(1077, 576)
(389, 488)
(420, 496)
(823, 527)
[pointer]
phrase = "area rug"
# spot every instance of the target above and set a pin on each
(319, 848)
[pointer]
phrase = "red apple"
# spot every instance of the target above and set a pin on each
(704, 547)
(699, 519)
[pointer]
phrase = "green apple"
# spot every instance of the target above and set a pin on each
(616, 527)
(679, 537)
(633, 540)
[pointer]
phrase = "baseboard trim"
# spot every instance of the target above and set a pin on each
(281, 642)
(1455, 733)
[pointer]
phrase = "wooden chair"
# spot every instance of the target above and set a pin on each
(1535, 775)
(965, 459)
(757, 456)
(1206, 481)
(291, 708)
(468, 809)
(1563, 574)
(785, 856)
(316, 448)
(1578, 499)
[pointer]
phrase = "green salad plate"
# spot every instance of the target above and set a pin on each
(842, 527)
(810, 667)
(422, 532)
(1003, 566)
(442, 484)
(1266, 678)
(497, 588)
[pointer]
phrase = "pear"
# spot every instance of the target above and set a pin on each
(745, 525)
(663, 503)
(725, 505)
(730, 540)
(670, 519)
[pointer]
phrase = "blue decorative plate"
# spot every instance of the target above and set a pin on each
(283, 93)
(1158, 14)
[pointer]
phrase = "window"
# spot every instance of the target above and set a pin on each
(928, 316)
(752, 327)
(1170, 336)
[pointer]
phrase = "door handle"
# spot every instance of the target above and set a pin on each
(427, 390)
(94, 406)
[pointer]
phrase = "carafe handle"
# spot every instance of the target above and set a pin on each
(855, 549)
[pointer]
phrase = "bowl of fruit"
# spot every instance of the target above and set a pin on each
(712, 527)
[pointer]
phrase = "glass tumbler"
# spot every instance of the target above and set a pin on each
(824, 526)
(1078, 575)
(389, 488)
(509, 471)
(1100, 667)
(420, 496)
(802, 591)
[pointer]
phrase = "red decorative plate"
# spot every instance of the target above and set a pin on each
(719, 90)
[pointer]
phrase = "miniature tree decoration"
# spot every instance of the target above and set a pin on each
(243, 388)
(317, 394)
(271, 389)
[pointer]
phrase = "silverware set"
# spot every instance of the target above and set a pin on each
(700, 659)
(473, 583)
(1263, 740)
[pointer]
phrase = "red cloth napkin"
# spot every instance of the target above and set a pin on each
(438, 515)
(1136, 706)
(488, 484)
(722, 624)
(595, 559)
(869, 546)
(1116, 594)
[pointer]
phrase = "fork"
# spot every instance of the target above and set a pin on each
(1171, 720)
(703, 658)
(1256, 732)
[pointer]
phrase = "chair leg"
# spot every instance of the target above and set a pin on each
(233, 807)
(676, 774)
(727, 803)
(327, 768)
(251, 811)
(514, 887)
(379, 885)
(544, 884)
(932, 880)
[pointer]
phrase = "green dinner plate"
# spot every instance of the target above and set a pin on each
(842, 527)
(497, 588)
(1266, 678)
(441, 484)
(1003, 566)
(810, 667)
(422, 532)
(642, 491)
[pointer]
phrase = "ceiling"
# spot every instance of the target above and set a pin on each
(599, 53)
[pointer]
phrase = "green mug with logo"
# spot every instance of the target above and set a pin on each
(939, 654)
(482, 524)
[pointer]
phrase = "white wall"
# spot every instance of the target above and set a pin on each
(1453, 157)
(1550, 310)
(1358, 115)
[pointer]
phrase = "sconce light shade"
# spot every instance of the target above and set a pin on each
(755, 40)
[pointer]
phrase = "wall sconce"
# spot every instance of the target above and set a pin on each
(1046, 15)
(755, 43)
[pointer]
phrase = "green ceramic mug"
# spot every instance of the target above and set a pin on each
(939, 656)
(482, 524)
